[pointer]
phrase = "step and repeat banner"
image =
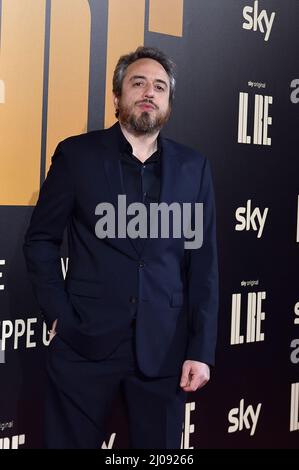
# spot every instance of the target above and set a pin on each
(237, 102)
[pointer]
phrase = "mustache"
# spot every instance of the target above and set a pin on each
(147, 101)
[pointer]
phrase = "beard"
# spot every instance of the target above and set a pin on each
(143, 124)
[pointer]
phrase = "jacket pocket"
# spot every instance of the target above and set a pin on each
(85, 288)
(177, 299)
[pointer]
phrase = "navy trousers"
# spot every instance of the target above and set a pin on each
(80, 394)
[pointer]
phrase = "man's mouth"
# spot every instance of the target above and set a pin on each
(146, 106)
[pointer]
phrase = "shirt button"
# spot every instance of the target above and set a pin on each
(141, 264)
(133, 299)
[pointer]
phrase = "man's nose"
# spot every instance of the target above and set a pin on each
(149, 91)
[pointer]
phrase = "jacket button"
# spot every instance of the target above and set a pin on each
(141, 264)
(133, 299)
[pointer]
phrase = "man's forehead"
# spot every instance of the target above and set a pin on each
(147, 67)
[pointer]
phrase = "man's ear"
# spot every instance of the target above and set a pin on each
(115, 102)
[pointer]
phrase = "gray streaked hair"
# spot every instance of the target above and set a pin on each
(144, 53)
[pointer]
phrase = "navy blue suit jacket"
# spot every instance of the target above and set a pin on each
(177, 288)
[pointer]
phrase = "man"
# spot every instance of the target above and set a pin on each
(136, 314)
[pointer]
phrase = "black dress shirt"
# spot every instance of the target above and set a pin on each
(141, 180)
(142, 183)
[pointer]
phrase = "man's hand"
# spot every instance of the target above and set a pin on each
(53, 330)
(195, 375)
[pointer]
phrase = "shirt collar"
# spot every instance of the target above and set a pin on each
(126, 148)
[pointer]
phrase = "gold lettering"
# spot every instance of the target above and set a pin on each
(125, 34)
(21, 74)
(166, 17)
(68, 71)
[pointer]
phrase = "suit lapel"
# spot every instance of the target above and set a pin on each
(170, 174)
(170, 190)
(112, 168)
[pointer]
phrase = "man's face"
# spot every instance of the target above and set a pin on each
(144, 103)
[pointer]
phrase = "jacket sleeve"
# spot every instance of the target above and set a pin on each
(44, 237)
(203, 282)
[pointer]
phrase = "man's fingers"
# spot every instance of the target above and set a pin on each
(195, 384)
(52, 334)
(184, 381)
(53, 330)
(185, 378)
(195, 375)
(191, 385)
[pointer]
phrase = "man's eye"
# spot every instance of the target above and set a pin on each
(137, 83)
(160, 88)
